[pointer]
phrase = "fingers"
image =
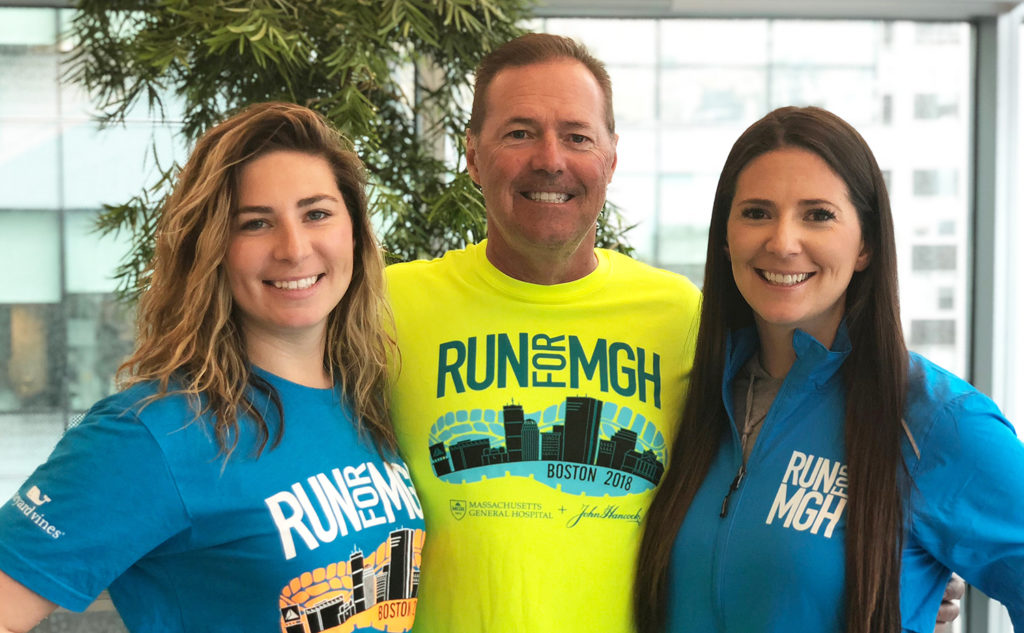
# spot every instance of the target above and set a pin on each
(949, 610)
(955, 588)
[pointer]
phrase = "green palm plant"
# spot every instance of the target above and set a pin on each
(393, 75)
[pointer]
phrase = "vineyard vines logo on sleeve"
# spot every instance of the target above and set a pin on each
(36, 496)
(812, 495)
(29, 506)
(351, 498)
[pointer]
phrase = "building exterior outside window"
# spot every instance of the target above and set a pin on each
(62, 332)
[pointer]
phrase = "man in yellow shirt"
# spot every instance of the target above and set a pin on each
(540, 377)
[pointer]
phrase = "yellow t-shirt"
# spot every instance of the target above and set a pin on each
(536, 421)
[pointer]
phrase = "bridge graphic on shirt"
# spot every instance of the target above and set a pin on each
(581, 446)
(375, 592)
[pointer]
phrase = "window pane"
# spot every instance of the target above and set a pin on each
(935, 182)
(635, 99)
(90, 260)
(726, 42)
(31, 251)
(100, 335)
(1015, 407)
(614, 42)
(849, 92)
(936, 106)
(934, 257)
(28, 439)
(28, 77)
(110, 166)
(682, 238)
(28, 165)
(826, 42)
(932, 332)
(28, 27)
(712, 96)
(30, 345)
(637, 151)
(634, 194)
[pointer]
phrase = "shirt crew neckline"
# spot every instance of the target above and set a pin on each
(539, 293)
(283, 384)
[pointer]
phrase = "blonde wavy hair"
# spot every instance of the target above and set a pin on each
(189, 336)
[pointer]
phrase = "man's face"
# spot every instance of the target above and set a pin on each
(544, 158)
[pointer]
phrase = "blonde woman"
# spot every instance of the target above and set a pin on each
(245, 479)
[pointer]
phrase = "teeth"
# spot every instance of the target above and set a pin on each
(298, 284)
(547, 196)
(784, 280)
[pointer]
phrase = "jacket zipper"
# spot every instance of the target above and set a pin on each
(740, 474)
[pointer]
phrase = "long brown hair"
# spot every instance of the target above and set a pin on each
(189, 337)
(874, 375)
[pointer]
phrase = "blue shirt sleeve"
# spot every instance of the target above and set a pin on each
(968, 498)
(103, 500)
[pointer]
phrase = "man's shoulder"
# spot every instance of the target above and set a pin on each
(625, 266)
(407, 272)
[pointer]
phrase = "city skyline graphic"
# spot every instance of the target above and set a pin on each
(367, 592)
(581, 445)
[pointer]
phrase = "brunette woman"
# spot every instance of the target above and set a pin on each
(824, 478)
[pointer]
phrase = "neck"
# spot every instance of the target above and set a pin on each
(297, 360)
(544, 267)
(777, 353)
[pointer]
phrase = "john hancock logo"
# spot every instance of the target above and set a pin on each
(458, 507)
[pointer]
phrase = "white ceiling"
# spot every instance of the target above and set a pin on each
(871, 9)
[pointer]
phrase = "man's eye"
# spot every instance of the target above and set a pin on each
(578, 138)
(518, 134)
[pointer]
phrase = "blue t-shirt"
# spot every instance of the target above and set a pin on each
(316, 534)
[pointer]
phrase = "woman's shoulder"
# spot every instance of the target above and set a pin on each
(143, 401)
(945, 413)
(934, 388)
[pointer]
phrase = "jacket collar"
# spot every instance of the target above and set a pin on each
(815, 364)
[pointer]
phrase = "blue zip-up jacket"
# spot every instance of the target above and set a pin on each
(775, 562)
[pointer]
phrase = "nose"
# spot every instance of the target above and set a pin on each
(784, 239)
(292, 243)
(548, 155)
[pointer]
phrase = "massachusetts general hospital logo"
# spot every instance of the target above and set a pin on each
(581, 446)
(458, 507)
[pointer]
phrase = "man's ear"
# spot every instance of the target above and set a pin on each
(615, 156)
(474, 173)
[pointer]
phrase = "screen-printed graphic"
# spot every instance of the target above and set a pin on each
(581, 446)
(368, 592)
